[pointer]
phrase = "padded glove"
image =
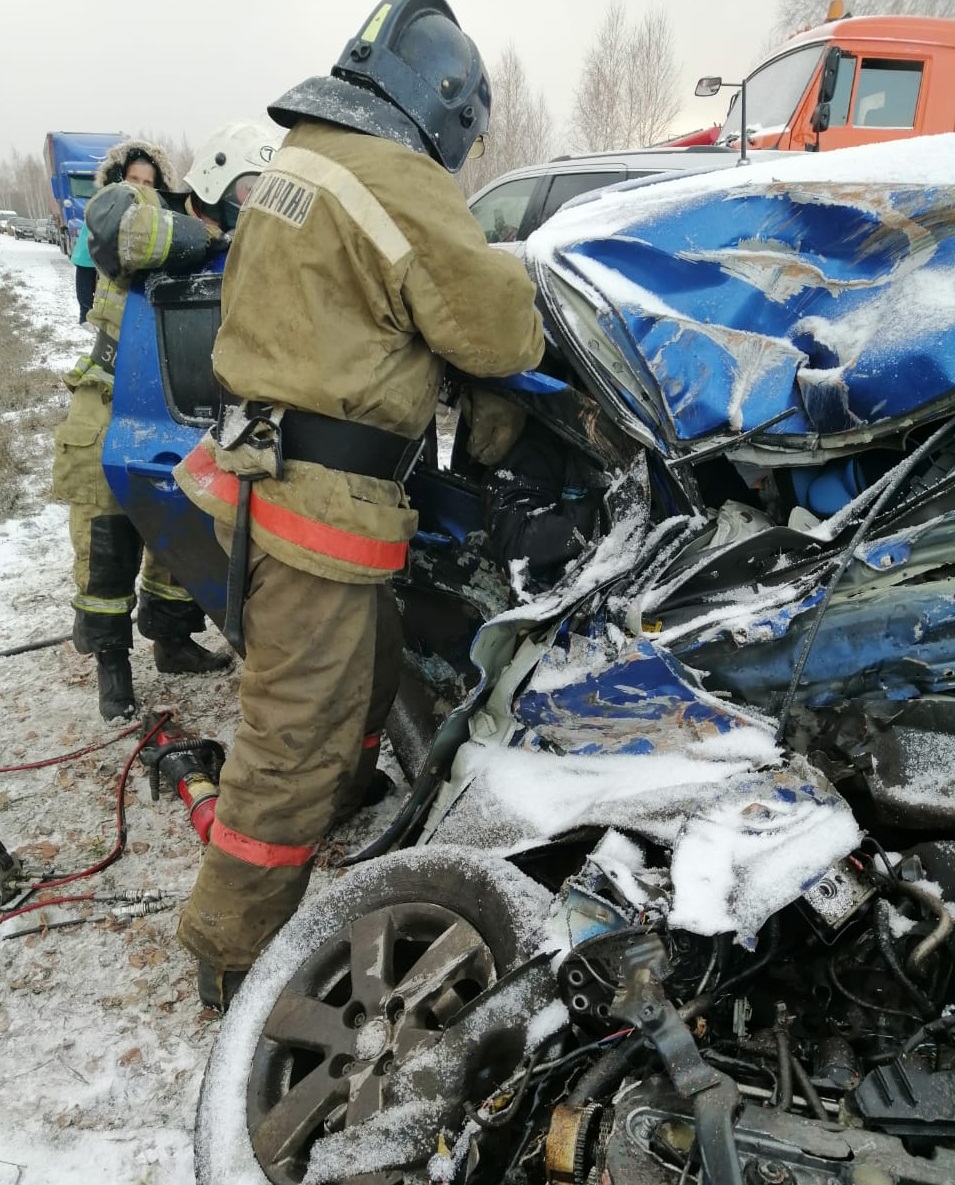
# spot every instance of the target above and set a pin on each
(217, 241)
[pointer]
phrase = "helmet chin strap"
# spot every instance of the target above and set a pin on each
(230, 214)
(213, 215)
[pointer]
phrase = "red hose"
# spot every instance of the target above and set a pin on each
(118, 847)
(15, 769)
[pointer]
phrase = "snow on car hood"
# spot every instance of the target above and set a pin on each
(805, 296)
(635, 743)
(609, 731)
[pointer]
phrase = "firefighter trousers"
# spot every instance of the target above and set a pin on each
(306, 693)
(107, 549)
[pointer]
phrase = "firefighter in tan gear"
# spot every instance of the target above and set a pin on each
(356, 273)
(132, 229)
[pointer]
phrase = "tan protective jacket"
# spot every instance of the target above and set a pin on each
(357, 271)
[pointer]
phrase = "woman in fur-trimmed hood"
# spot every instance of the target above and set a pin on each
(118, 159)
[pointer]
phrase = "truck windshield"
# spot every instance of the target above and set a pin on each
(772, 93)
(81, 187)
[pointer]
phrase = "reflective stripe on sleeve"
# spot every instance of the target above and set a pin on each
(255, 851)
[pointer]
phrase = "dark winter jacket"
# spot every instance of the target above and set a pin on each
(542, 503)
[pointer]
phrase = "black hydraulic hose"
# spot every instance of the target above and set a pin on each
(902, 472)
(47, 926)
(605, 1074)
(41, 644)
(784, 1091)
(883, 937)
(809, 1092)
(421, 799)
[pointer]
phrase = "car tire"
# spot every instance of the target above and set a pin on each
(362, 994)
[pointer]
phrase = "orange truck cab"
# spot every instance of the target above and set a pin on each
(850, 81)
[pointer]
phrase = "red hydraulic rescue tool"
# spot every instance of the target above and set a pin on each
(189, 765)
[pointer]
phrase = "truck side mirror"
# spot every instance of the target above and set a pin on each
(830, 73)
(819, 120)
(707, 87)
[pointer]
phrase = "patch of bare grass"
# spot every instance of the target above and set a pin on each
(28, 412)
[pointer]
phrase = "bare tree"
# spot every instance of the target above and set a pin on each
(799, 14)
(628, 91)
(653, 98)
(24, 185)
(521, 126)
(598, 119)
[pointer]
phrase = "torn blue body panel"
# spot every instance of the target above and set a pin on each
(641, 702)
(897, 643)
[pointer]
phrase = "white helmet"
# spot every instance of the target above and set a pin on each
(226, 166)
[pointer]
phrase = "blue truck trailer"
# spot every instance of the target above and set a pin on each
(72, 159)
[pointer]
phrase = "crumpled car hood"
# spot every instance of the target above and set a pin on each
(784, 298)
(601, 732)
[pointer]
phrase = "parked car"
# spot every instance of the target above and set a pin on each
(5, 221)
(514, 205)
(44, 230)
(671, 893)
(23, 228)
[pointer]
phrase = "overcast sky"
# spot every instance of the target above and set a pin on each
(182, 67)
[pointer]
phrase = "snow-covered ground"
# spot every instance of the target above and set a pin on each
(102, 1037)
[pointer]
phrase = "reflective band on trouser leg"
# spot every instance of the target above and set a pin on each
(108, 606)
(164, 590)
(255, 851)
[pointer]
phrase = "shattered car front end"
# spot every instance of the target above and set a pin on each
(670, 898)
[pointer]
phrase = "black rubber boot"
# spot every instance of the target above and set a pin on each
(376, 790)
(183, 656)
(115, 679)
(380, 786)
(216, 988)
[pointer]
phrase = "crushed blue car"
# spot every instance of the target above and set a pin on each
(671, 895)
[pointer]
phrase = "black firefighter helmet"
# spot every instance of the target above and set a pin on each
(411, 75)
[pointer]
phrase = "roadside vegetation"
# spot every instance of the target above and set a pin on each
(32, 396)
